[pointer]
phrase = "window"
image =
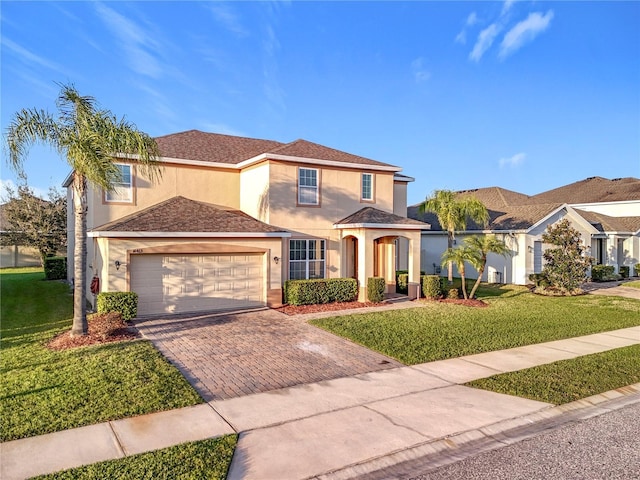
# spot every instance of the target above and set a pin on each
(123, 190)
(367, 187)
(306, 259)
(308, 186)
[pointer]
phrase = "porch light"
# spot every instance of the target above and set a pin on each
(118, 264)
(276, 260)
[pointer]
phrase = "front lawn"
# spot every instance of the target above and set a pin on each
(44, 391)
(208, 459)
(513, 318)
(569, 380)
(633, 284)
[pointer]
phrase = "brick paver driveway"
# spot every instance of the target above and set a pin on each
(229, 355)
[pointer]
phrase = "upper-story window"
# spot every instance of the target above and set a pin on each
(366, 187)
(308, 186)
(123, 190)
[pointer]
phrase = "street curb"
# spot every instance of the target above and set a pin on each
(445, 451)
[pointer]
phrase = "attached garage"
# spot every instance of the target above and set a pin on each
(191, 283)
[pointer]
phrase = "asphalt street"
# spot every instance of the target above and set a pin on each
(603, 447)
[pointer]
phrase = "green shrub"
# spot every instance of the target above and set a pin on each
(602, 273)
(637, 269)
(539, 280)
(125, 303)
(453, 293)
(432, 286)
(402, 283)
(55, 268)
(375, 289)
(624, 271)
(325, 290)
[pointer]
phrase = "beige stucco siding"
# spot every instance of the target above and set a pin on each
(254, 188)
(205, 184)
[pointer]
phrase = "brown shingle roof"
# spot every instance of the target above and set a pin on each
(591, 190)
(605, 223)
(306, 149)
(179, 214)
(212, 147)
(215, 147)
(496, 197)
(375, 216)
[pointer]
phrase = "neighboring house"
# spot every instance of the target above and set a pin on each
(605, 212)
(233, 218)
(15, 254)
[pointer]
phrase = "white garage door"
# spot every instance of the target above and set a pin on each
(189, 283)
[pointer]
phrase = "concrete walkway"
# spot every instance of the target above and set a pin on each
(338, 428)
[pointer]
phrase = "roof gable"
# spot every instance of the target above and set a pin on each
(180, 214)
(374, 216)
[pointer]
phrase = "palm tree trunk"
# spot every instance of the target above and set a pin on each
(479, 279)
(80, 326)
(464, 285)
(450, 264)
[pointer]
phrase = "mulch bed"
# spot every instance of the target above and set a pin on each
(102, 329)
(325, 307)
(461, 301)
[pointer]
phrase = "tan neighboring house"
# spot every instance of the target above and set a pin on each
(232, 218)
(14, 254)
(605, 212)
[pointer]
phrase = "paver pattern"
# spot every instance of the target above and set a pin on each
(232, 354)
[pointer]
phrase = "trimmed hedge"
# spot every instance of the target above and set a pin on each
(637, 269)
(375, 289)
(431, 286)
(402, 283)
(602, 273)
(624, 271)
(324, 290)
(125, 303)
(55, 268)
(453, 293)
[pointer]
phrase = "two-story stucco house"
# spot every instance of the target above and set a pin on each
(232, 218)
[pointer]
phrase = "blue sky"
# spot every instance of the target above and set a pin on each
(524, 95)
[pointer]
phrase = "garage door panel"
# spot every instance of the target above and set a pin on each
(183, 283)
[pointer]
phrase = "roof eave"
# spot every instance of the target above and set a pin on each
(386, 226)
(123, 234)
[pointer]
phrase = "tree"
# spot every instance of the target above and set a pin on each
(567, 265)
(482, 245)
(459, 256)
(452, 211)
(35, 222)
(88, 137)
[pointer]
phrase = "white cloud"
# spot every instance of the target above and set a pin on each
(225, 16)
(140, 47)
(29, 58)
(484, 41)
(420, 73)
(515, 161)
(506, 6)
(472, 19)
(524, 32)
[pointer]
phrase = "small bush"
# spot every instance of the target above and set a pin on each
(125, 303)
(637, 269)
(402, 283)
(318, 291)
(624, 271)
(375, 289)
(432, 286)
(539, 280)
(453, 293)
(602, 273)
(55, 268)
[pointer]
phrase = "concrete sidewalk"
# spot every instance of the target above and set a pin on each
(332, 429)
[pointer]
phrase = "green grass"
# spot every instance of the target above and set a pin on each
(513, 318)
(208, 459)
(569, 380)
(43, 391)
(634, 284)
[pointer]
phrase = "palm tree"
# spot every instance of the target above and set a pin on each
(452, 212)
(88, 138)
(459, 256)
(482, 245)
